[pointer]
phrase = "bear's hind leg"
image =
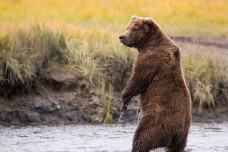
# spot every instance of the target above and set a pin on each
(177, 144)
(147, 138)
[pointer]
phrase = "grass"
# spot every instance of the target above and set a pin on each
(97, 53)
(28, 48)
(82, 36)
(25, 50)
(202, 17)
(204, 73)
(106, 98)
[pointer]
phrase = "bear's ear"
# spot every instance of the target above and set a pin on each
(148, 21)
(133, 17)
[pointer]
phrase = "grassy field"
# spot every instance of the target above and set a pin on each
(197, 18)
(82, 36)
(27, 49)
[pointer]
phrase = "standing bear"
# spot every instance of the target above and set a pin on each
(157, 77)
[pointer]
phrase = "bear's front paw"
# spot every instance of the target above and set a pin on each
(124, 107)
(125, 101)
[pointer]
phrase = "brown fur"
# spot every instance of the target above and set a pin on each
(157, 77)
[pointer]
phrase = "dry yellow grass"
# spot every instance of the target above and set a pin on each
(204, 73)
(83, 36)
(27, 48)
(201, 17)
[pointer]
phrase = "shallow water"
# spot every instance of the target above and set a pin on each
(203, 137)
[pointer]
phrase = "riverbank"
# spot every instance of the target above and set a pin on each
(69, 98)
(68, 108)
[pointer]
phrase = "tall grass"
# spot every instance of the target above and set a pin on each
(201, 17)
(97, 53)
(27, 49)
(106, 94)
(204, 72)
(80, 36)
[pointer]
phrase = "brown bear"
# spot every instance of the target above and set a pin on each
(157, 77)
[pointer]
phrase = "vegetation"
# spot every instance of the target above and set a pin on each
(27, 49)
(106, 97)
(201, 17)
(81, 36)
(204, 73)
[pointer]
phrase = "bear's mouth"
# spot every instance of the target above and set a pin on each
(126, 43)
(122, 40)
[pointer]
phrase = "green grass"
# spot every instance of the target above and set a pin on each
(201, 17)
(204, 73)
(107, 99)
(25, 50)
(28, 48)
(82, 36)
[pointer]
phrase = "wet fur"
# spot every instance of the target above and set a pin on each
(164, 98)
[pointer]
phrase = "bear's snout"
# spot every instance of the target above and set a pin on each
(121, 37)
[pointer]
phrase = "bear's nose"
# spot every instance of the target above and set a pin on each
(121, 37)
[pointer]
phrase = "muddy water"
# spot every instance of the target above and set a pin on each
(203, 137)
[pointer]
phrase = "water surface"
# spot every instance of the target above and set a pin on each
(203, 137)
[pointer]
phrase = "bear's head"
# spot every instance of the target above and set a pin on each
(138, 31)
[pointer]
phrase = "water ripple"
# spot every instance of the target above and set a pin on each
(203, 137)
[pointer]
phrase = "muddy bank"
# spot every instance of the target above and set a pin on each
(66, 98)
(63, 100)
(70, 108)
(79, 102)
